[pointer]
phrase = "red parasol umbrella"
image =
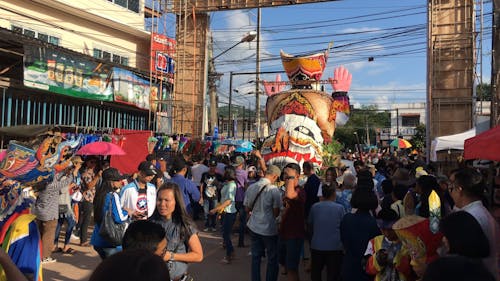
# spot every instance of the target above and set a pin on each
(101, 148)
(401, 143)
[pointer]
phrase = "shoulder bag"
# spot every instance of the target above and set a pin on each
(111, 231)
(257, 197)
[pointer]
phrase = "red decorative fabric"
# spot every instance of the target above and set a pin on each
(135, 145)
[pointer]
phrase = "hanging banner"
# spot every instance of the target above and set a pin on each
(128, 88)
(55, 71)
(162, 56)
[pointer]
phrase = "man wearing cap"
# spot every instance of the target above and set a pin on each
(140, 195)
(188, 189)
(211, 183)
(263, 201)
(241, 184)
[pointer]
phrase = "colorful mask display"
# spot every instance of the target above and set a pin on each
(303, 118)
(24, 167)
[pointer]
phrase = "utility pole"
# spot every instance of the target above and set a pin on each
(367, 131)
(397, 122)
(257, 76)
(212, 90)
(244, 121)
(230, 133)
(495, 75)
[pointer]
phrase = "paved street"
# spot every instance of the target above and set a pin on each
(81, 265)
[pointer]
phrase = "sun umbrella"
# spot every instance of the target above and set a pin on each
(245, 146)
(101, 148)
(401, 143)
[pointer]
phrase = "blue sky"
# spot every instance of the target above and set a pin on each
(393, 32)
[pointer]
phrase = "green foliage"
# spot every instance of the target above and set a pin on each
(368, 116)
(418, 140)
(483, 92)
(331, 155)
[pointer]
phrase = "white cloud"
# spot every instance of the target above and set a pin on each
(382, 102)
(360, 29)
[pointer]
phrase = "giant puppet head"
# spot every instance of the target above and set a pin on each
(23, 167)
(303, 118)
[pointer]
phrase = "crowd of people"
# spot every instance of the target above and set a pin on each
(340, 218)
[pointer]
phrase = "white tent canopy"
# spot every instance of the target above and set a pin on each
(450, 142)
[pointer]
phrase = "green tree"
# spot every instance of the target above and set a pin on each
(418, 140)
(367, 116)
(483, 92)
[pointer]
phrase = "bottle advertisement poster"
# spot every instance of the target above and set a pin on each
(55, 71)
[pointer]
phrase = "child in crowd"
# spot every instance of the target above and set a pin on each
(388, 260)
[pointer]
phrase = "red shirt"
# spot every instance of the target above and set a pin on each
(292, 221)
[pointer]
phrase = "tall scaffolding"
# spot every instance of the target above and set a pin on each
(192, 65)
(451, 66)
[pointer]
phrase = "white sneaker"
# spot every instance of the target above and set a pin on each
(48, 260)
(74, 237)
(213, 229)
(206, 229)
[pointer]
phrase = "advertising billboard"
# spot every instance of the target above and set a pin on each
(55, 71)
(129, 88)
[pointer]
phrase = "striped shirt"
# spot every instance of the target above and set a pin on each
(47, 203)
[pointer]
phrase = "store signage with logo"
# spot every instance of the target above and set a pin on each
(162, 56)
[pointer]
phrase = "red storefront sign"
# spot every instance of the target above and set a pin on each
(162, 56)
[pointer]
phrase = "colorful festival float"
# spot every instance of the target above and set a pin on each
(23, 168)
(301, 120)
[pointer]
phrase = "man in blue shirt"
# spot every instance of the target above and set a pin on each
(187, 187)
(326, 246)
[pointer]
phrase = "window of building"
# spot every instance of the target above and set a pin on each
(29, 33)
(108, 56)
(132, 5)
(117, 59)
(410, 120)
(224, 127)
(53, 40)
(43, 37)
(17, 29)
(36, 34)
(97, 53)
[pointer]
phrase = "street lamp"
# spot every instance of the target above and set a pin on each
(249, 37)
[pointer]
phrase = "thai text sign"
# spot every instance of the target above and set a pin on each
(162, 56)
(55, 71)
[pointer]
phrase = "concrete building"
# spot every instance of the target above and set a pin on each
(60, 59)
(405, 117)
(104, 29)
